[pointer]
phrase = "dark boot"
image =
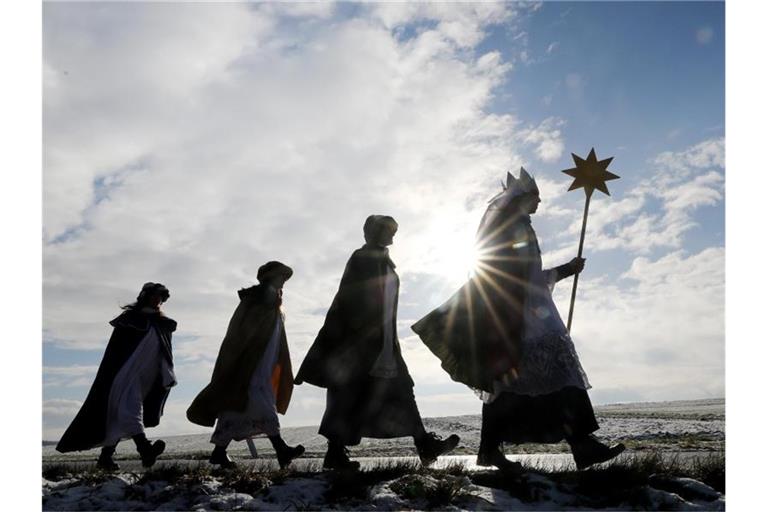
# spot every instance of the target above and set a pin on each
(430, 446)
(493, 456)
(219, 456)
(105, 461)
(285, 454)
(148, 451)
(587, 450)
(337, 457)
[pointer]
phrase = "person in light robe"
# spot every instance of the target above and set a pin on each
(357, 358)
(131, 385)
(252, 379)
(502, 335)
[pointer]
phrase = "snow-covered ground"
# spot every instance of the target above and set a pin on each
(691, 425)
(688, 432)
(418, 491)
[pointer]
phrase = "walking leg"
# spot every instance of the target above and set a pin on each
(285, 453)
(105, 459)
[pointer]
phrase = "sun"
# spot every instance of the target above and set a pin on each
(458, 257)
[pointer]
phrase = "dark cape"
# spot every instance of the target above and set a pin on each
(88, 429)
(248, 334)
(476, 333)
(351, 338)
(345, 350)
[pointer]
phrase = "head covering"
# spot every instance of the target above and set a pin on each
(374, 225)
(151, 288)
(271, 269)
(515, 187)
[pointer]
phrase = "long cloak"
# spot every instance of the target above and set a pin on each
(88, 429)
(359, 403)
(249, 331)
(477, 333)
(351, 339)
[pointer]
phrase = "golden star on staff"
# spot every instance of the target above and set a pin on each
(590, 173)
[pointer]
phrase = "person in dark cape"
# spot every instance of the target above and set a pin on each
(252, 379)
(502, 335)
(132, 383)
(356, 357)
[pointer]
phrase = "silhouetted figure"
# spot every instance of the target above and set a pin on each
(356, 356)
(252, 380)
(131, 385)
(502, 335)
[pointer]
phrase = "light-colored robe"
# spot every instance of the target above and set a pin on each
(131, 385)
(260, 414)
(386, 365)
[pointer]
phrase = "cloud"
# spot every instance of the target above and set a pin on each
(546, 139)
(462, 24)
(552, 47)
(658, 211)
(55, 377)
(659, 330)
(190, 143)
(57, 414)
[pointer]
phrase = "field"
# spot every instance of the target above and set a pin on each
(675, 461)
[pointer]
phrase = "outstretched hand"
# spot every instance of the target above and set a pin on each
(577, 264)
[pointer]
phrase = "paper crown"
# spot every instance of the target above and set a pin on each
(515, 187)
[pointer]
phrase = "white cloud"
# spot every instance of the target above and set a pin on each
(546, 138)
(462, 24)
(658, 331)
(552, 47)
(57, 377)
(189, 144)
(179, 151)
(57, 414)
(683, 182)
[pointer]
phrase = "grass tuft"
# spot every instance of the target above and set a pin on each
(437, 492)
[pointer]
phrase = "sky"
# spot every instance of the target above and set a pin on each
(191, 143)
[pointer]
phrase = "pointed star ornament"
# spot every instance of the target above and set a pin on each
(590, 173)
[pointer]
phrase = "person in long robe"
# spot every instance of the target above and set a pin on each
(502, 335)
(252, 379)
(131, 385)
(356, 357)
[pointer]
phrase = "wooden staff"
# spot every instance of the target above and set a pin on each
(590, 174)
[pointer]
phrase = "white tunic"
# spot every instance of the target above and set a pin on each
(385, 365)
(549, 361)
(132, 384)
(260, 414)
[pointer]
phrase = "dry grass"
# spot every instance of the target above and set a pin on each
(608, 485)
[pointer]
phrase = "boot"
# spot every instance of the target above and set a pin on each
(105, 461)
(337, 457)
(495, 457)
(588, 450)
(285, 454)
(430, 446)
(148, 451)
(219, 456)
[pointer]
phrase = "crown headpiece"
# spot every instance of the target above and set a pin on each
(515, 187)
